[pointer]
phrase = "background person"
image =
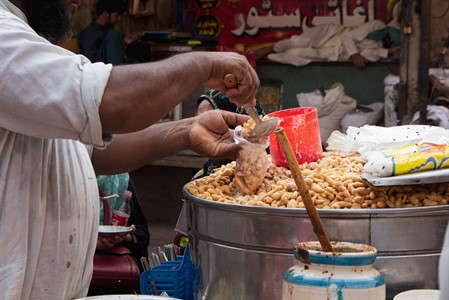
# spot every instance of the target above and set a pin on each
(108, 259)
(210, 100)
(214, 99)
(371, 41)
(65, 120)
(138, 240)
(100, 41)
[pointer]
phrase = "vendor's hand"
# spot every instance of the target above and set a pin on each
(204, 106)
(130, 38)
(394, 51)
(224, 63)
(359, 61)
(263, 52)
(210, 134)
(109, 242)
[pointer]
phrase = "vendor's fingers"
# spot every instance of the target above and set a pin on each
(233, 119)
(225, 63)
(108, 242)
(241, 91)
(210, 134)
(218, 121)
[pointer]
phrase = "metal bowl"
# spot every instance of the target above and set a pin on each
(243, 251)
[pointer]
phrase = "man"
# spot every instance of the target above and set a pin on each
(64, 119)
(214, 99)
(100, 41)
(371, 41)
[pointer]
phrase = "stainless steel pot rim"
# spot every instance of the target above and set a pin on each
(302, 211)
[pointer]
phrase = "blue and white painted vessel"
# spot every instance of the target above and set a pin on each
(346, 274)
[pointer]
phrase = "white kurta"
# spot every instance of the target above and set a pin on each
(49, 100)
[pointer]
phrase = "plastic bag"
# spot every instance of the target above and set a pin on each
(251, 163)
(391, 151)
(407, 159)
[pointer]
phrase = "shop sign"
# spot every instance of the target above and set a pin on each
(246, 24)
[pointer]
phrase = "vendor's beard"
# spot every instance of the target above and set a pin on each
(50, 19)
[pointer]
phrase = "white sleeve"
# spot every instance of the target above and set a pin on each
(374, 54)
(350, 38)
(45, 90)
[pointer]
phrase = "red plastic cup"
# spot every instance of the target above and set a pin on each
(303, 131)
(119, 218)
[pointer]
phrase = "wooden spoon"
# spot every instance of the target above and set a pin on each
(303, 190)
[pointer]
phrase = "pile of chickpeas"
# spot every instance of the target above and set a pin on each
(334, 182)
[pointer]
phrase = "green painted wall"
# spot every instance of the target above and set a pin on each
(366, 85)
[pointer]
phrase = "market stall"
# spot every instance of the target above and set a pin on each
(243, 244)
(242, 241)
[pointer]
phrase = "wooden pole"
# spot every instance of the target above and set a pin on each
(404, 58)
(303, 190)
(423, 64)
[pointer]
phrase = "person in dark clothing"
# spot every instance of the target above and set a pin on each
(138, 240)
(141, 236)
(117, 192)
(100, 41)
(214, 99)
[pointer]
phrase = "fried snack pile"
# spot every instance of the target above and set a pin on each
(334, 183)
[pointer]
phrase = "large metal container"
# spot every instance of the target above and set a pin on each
(242, 252)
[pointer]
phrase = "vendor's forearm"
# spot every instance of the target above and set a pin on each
(142, 147)
(139, 95)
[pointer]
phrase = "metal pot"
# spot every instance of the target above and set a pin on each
(243, 251)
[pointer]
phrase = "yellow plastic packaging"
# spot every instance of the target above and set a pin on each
(418, 157)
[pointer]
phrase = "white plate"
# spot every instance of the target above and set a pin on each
(425, 177)
(418, 295)
(127, 297)
(110, 230)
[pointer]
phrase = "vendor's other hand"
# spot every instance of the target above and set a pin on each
(130, 38)
(210, 134)
(224, 63)
(394, 51)
(263, 52)
(204, 106)
(109, 242)
(359, 61)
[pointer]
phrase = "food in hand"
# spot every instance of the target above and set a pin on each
(249, 126)
(251, 167)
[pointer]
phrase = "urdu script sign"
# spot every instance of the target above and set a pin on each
(244, 25)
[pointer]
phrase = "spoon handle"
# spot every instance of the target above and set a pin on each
(252, 112)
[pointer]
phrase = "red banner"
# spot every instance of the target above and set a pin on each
(246, 25)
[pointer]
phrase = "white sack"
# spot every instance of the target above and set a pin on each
(437, 113)
(358, 118)
(331, 108)
(372, 138)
